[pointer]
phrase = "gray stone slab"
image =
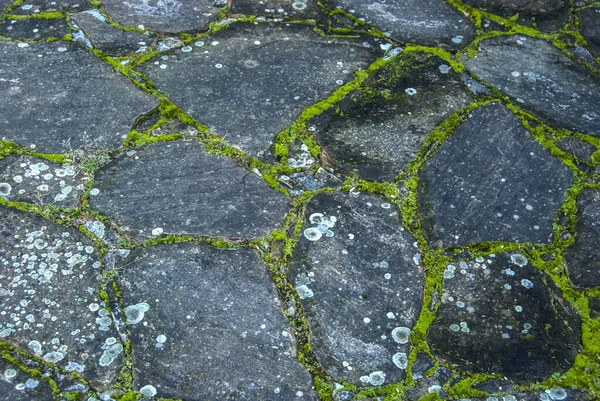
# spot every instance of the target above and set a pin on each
(4, 4)
(15, 385)
(288, 9)
(426, 387)
(37, 6)
(491, 181)
(589, 26)
(594, 304)
(212, 326)
(34, 28)
(582, 259)
(50, 297)
(551, 394)
(425, 22)
(499, 314)
(110, 40)
(256, 78)
(542, 80)
(519, 5)
(33, 180)
(55, 106)
(422, 364)
(178, 188)
(357, 273)
(582, 150)
(379, 129)
(172, 16)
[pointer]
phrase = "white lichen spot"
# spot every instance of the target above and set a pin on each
(526, 283)
(186, 49)
(458, 39)
(400, 359)
(135, 313)
(449, 272)
(313, 234)
(519, 308)
(10, 373)
(94, 191)
(455, 327)
(157, 231)
(54, 356)
(434, 389)
(556, 393)
(161, 339)
(519, 259)
(376, 378)
(148, 391)
(410, 91)
(5, 189)
(304, 292)
(401, 335)
(35, 346)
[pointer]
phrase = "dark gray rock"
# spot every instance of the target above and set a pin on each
(495, 386)
(15, 385)
(32, 180)
(542, 80)
(54, 105)
(519, 5)
(178, 188)
(287, 9)
(278, 77)
(594, 304)
(37, 6)
(425, 22)
(421, 365)
(584, 55)
(491, 181)
(582, 150)
(426, 387)
(551, 394)
(357, 273)
(501, 315)
(589, 26)
(172, 16)
(34, 28)
(4, 4)
(110, 40)
(207, 323)
(477, 88)
(49, 279)
(582, 259)
(377, 131)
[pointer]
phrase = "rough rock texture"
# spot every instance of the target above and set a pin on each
(278, 77)
(171, 16)
(426, 22)
(582, 259)
(519, 5)
(589, 26)
(186, 301)
(17, 386)
(34, 29)
(49, 279)
(37, 6)
(582, 151)
(542, 80)
(32, 180)
(358, 276)
(178, 188)
(110, 40)
(524, 329)
(377, 130)
(54, 106)
(288, 9)
(491, 181)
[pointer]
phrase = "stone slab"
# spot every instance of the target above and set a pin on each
(178, 188)
(34, 28)
(424, 22)
(171, 16)
(54, 106)
(33, 180)
(582, 150)
(287, 9)
(542, 80)
(582, 259)
(15, 385)
(110, 40)
(50, 305)
(357, 273)
(376, 131)
(280, 70)
(29, 7)
(499, 314)
(491, 181)
(519, 5)
(589, 26)
(211, 326)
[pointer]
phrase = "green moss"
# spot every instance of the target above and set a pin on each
(464, 389)
(130, 396)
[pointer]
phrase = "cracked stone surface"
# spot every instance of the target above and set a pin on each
(357, 273)
(525, 330)
(185, 184)
(49, 280)
(583, 257)
(32, 180)
(589, 20)
(34, 29)
(28, 7)
(428, 22)
(289, 9)
(218, 300)
(491, 181)
(278, 77)
(15, 385)
(53, 109)
(380, 128)
(171, 16)
(542, 80)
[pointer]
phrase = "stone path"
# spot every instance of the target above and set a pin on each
(300, 200)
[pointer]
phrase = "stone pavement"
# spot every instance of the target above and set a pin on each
(300, 200)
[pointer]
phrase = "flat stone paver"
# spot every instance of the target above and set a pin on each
(15, 385)
(280, 70)
(34, 29)
(292, 9)
(50, 304)
(491, 181)
(379, 129)
(582, 259)
(29, 7)
(542, 80)
(207, 323)
(428, 22)
(172, 16)
(190, 192)
(358, 276)
(589, 21)
(53, 109)
(524, 329)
